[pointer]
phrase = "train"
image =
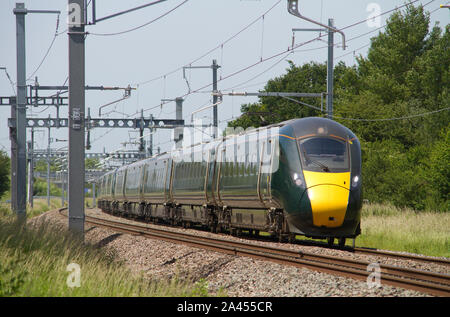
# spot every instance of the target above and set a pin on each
(298, 177)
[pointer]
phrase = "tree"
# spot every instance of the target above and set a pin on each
(308, 78)
(438, 175)
(4, 172)
(406, 72)
(91, 163)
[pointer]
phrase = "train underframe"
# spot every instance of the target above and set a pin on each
(215, 218)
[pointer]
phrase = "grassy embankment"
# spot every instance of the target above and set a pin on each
(34, 262)
(391, 228)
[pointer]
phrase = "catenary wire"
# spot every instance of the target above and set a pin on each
(140, 26)
(274, 56)
(215, 48)
(48, 50)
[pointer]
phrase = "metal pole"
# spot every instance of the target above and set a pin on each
(179, 116)
(48, 166)
(76, 116)
(93, 195)
(13, 138)
(215, 124)
(63, 176)
(141, 135)
(31, 171)
(88, 128)
(150, 145)
(330, 71)
(21, 131)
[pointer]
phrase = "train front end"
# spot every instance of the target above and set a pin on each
(320, 162)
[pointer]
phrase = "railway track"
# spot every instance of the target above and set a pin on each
(364, 251)
(428, 282)
(402, 256)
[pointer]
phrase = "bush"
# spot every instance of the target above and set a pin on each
(4, 172)
(412, 177)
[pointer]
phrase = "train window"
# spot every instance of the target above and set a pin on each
(324, 155)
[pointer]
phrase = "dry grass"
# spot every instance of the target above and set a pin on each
(391, 228)
(34, 260)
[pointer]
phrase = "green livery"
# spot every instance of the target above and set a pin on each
(260, 180)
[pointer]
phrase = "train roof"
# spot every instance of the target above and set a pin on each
(320, 127)
(300, 127)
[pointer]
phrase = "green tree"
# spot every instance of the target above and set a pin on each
(308, 78)
(91, 163)
(406, 72)
(438, 175)
(4, 172)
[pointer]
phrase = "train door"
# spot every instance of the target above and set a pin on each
(209, 177)
(218, 171)
(265, 170)
(168, 178)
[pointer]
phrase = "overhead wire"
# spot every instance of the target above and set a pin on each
(140, 26)
(319, 48)
(373, 120)
(48, 50)
(262, 60)
(418, 115)
(215, 48)
(204, 55)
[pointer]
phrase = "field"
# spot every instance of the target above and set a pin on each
(37, 261)
(405, 230)
(34, 261)
(391, 228)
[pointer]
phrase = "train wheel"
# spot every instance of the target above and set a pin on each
(291, 238)
(341, 242)
(330, 241)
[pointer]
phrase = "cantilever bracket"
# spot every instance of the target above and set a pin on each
(293, 9)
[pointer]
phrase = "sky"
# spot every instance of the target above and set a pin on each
(248, 38)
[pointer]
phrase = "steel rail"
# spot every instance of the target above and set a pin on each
(412, 257)
(423, 281)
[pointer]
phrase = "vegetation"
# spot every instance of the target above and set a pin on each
(40, 188)
(405, 165)
(391, 228)
(34, 262)
(39, 207)
(387, 227)
(406, 72)
(4, 173)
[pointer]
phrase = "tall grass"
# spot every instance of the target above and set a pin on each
(34, 261)
(392, 228)
(39, 207)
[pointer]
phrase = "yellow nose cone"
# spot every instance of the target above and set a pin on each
(328, 195)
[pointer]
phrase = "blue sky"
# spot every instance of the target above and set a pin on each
(158, 49)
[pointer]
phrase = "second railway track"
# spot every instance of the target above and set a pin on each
(428, 282)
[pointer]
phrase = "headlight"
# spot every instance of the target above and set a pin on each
(297, 179)
(355, 181)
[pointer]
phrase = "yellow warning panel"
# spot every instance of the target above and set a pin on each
(328, 194)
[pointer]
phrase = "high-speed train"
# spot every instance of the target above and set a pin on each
(298, 177)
